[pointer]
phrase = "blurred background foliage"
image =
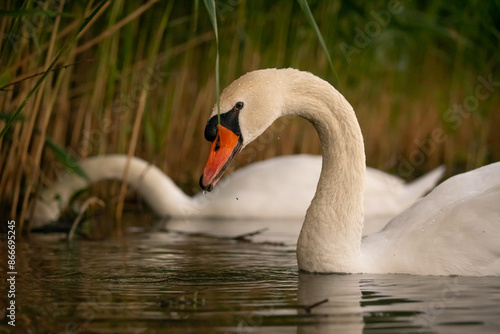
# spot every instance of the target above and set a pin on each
(423, 77)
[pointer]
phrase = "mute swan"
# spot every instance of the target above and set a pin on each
(453, 230)
(254, 191)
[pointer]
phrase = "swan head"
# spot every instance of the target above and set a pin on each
(248, 106)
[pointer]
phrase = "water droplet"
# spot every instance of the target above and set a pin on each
(204, 192)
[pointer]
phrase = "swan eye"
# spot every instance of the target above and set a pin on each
(238, 106)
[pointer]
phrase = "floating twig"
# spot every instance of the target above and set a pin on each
(310, 307)
(240, 238)
(243, 237)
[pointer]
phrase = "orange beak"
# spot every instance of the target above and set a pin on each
(222, 151)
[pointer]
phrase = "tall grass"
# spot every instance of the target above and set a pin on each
(141, 80)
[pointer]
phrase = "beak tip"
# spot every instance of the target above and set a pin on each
(203, 186)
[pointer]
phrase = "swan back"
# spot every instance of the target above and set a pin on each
(265, 189)
(453, 230)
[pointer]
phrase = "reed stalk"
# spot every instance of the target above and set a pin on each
(69, 90)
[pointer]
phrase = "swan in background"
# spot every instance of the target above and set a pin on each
(262, 190)
(455, 230)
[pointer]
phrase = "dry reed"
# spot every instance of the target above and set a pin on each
(142, 83)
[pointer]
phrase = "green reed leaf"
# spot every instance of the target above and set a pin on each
(212, 13)
(65, 158)
(307, 11)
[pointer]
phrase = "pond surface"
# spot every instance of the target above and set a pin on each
(165, 279)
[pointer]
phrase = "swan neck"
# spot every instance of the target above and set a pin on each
(330, 238)
(157, 189)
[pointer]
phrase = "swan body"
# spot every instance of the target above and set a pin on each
(455, 230)
(262, 190)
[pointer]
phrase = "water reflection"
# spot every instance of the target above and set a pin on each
(181, 281)
(342, 313)
(400, 303)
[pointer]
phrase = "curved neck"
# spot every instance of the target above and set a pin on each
(330, 238)
(157, 189)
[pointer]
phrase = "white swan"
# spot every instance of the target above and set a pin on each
(261, 190)
(454, 230)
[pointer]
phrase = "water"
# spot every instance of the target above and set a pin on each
(168, 280)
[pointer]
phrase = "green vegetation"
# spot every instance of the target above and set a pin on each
(423, 77)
